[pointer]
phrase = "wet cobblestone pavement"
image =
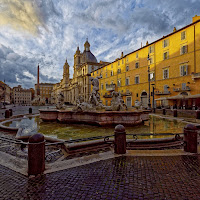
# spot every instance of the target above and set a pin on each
(175, 177)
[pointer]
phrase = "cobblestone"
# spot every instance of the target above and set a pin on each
(176, 177)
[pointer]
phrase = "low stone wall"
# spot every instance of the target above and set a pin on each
(106, 118)
(180, 112)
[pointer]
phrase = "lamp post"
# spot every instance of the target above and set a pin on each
(149, 103)
(153, 97)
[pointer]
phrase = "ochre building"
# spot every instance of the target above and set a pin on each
(170, 66)
(45, 90)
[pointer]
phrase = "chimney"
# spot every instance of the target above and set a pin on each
(122, 54)
(195, 18)
(174, 29)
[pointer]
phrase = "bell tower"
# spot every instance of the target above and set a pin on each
(66, 72)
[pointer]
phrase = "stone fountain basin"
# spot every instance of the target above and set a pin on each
(100, 118)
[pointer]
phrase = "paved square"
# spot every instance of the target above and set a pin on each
(167, 177)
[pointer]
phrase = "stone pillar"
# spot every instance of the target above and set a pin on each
(175, 113)
(36, 154)
(30, 110)
(190, 138)
(10, 112)
(198, 114)
(120, 139)
(164, 111)
(7, 114)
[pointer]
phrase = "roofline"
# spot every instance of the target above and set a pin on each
(154, 42)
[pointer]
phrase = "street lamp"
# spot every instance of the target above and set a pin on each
(149, 104)
(153, 97)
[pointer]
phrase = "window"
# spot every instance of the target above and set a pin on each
(106, 68)
(136, 55)
(111, 65)
(119, 83)
(119, 71)
(137, 79)
(165, 73)
(127, 81)
(106, 102)
(183, 49)
(122, 61)
(165, 43)
(137, 65)
(184, 70)
(152, 76)
(165, 55)
(183, 35)
(151, 49)
(127, 68)
(126, 59)
(118, 62)
(102, 86)
(111, 73)
(151, 60)
(166, 88)
(183, 86)
(106, 75)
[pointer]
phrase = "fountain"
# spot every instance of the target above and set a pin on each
(94, 112)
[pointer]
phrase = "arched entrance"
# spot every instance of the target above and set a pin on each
(144, 99)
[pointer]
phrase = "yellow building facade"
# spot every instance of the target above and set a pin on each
(173, 68)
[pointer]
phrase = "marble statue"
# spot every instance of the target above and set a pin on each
(38, 101)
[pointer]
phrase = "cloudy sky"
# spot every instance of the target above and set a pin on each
(49, 31)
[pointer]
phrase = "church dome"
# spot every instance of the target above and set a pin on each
(89, 57)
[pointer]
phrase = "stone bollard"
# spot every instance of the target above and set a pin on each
(175, 113)
(164, 111)
(36, 154)
(10, 112)
(120, 139)
(198, 114)
(190, 138)
(30, 110)
(7, 114)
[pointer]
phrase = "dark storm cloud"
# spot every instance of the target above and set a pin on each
(16, 69)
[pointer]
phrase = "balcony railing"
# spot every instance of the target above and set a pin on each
(110, 87)
(195, 75)
(162, 92)
(187, 88)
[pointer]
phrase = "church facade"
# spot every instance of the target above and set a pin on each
(80, 85)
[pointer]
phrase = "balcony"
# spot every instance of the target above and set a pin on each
(126, 94)
(107, 95)
(187, 88)
(157, 92)
(110, 87)
(195, 75)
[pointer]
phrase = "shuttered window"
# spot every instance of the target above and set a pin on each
(136, 65)
(183, 35)
(184, 49)
(165, 73)
(165, 43)
(184, 70)
(137, 79)
(166, 55)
